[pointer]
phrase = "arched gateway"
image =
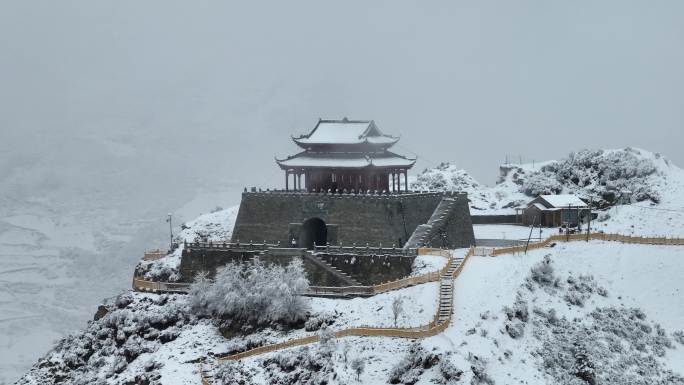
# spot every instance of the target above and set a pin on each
(313, 231)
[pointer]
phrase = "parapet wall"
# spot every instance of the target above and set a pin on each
(372, 269)
(505, 219)
(387, 219)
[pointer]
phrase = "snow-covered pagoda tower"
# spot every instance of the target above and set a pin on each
(346, 155)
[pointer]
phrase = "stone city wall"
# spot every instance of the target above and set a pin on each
(385, 219)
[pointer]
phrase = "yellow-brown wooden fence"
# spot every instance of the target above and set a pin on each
(592, 236)
(153, 255)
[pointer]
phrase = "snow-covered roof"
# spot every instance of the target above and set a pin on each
(345, 132)
(563, 200)
(539, 206)
(345, 160)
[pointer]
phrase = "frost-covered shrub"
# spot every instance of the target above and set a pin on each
(409, 369)
(253, 294)
(123, 300)
(678, 336)
(613, 346)
(358, 365)
(584, 367)
(445, 177)
(581, 289)
(574, 298)
(515, 329)
(449, 373)
(541, 183)
(479, 368)
(542, 272)
(518, 310)
(232, 373)
(549, 316)
(133, 326)
(316, 321)
(599, 174)
(304, 366)
(327, 339)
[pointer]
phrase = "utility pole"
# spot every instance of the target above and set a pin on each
(540, 231)
(567, 225)
(534, 220)
(168, 219)
(591, 203)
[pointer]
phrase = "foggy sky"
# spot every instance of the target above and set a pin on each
(162, 93)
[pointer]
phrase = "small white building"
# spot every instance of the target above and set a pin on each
(555, 210)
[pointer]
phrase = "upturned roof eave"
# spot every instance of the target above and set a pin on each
(302, 142)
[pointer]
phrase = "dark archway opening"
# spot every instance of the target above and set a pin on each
(313, 232)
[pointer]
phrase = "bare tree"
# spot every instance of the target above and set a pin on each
(397, 308)
(358, 365)
(345, 353)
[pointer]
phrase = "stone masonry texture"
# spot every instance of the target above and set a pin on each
(387, 219)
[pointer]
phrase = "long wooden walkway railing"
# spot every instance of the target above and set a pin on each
(591, 236)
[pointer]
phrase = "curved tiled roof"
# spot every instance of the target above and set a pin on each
(345, 132)
(345, 160)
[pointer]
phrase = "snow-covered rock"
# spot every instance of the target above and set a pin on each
(215, 226)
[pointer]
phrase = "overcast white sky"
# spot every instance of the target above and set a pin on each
(168, 92)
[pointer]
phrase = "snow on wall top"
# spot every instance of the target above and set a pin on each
(563, 200)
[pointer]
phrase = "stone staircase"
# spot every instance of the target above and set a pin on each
(337, 273)
(446, 290)
(424, 233)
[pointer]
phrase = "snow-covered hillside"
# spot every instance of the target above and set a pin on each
(534, 323)
(511, 313)
(636, 191)
(156, 339)
(594, 313)
(532, 318)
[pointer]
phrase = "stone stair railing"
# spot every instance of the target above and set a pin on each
(337, 273)
(425, 233)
